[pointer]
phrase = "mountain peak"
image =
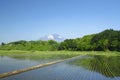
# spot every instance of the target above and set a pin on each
(55, 37)
(50, 37)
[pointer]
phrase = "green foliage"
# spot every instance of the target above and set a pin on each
(83, 44)
(104, 41)
(31, 45)
(107, 40)
(68, 44)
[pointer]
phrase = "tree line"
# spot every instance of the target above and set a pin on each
(106, 40)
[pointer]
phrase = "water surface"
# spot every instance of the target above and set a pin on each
(10, 63)
(80, 68)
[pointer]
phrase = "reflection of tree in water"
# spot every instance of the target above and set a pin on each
(108, 66)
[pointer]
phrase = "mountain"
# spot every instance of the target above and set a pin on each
(55, 37)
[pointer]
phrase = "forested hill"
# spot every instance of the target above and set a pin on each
(103, 41)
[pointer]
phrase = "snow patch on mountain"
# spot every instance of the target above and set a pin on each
(55, 37)
(51, 37)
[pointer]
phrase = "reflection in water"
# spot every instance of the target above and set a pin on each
(108, 66)
(8, 64)
(80, 68)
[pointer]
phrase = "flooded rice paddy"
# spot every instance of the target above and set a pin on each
(79, 68)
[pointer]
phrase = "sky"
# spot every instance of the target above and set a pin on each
(32, 19)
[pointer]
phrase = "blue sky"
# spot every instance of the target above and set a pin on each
(32, 19)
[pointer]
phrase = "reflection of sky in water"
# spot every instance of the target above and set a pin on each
(61, 71)
(9, 64)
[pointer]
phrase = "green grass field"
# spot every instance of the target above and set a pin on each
(52, 54)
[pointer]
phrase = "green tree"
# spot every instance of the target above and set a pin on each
(2, 43)
(68, 44)
(106, 40)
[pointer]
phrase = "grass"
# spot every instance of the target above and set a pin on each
(35, 55)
